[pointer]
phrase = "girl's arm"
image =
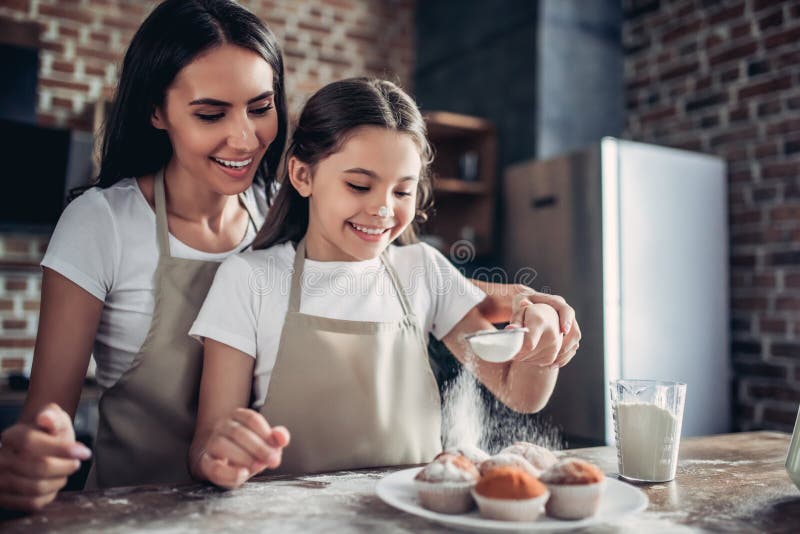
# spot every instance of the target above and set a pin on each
(231, 442)
(525, 383)
(507, 303)
(40, 452)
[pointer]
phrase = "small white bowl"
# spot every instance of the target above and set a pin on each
(497, 346)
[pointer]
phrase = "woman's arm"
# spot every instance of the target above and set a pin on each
(231, 442)
(525, 383)
(508, 302)
(40, 452)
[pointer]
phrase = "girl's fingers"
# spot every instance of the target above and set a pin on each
(279, 437)
(518, 312)
(244, 437)
(566, 314)
(223, 474)
(566, 356)
(222, 448)
(253, 421)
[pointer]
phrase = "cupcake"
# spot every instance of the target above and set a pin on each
(540, 458)
(444, 484)
(510, 494)
(508, 459)
(471, 452)
(576, 487)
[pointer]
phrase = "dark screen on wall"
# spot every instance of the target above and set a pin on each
(32, 174)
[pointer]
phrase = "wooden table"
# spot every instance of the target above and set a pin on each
(730, 482)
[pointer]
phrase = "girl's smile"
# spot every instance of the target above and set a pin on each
(371, 234)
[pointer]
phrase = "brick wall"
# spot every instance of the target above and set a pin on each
(723, 77)
(83, 42)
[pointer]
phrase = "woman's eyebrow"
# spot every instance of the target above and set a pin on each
(215, 102)
(374, 175)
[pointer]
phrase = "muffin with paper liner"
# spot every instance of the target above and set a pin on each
(576, 487)
(473, 453)
(539, 457)
(510, 494)
(507, 459)
(444, 484)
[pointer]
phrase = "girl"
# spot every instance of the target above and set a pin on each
(197, 128)
(322, 328)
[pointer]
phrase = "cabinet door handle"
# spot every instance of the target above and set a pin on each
(544, 202)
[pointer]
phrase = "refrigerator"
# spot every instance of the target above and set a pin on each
(635, 238)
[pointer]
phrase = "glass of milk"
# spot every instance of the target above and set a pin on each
(647, 427)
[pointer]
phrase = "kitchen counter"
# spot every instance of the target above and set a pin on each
(729, 482)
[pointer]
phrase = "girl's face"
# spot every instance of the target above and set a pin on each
(220, 117)
(375, 168)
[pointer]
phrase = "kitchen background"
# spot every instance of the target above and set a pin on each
(546, 77)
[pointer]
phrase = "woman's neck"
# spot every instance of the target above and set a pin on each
(190, 200)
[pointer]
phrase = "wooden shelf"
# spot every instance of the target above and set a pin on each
(445, 120)
(455, 185)
(463, 208)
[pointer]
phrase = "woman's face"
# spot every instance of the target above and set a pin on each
(375, 168)
(220, 116)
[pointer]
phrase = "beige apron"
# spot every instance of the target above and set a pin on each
(147, 418)
(353, 394)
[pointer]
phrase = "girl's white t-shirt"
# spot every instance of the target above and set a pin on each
(247, 303)
(105, 242)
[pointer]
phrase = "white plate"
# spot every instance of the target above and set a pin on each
(619, 500)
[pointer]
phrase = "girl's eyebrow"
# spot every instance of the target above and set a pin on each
(215, 102)
(374, 175)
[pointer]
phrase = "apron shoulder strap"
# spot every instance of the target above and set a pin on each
(401, 294)
(297, 275)
(162, 229)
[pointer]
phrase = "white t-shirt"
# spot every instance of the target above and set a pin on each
(105, 242)
(247, 303)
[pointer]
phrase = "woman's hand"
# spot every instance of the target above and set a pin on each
(239, 447)
(526, 311)
(36, 459)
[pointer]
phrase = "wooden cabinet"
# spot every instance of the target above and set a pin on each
(463, 171)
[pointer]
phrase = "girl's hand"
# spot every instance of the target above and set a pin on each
(567, 324)
(241, 446)
(35, 460)
(543, 341)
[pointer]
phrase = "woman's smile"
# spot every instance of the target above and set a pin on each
(236, 168)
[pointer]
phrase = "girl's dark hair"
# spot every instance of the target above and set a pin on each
(326, 122)
(173, 35)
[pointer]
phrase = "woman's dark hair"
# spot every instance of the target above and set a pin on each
(326, 122)
(173, 35)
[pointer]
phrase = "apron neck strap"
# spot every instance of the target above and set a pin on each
(297, 275)
(248, 209)
(162, 229)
